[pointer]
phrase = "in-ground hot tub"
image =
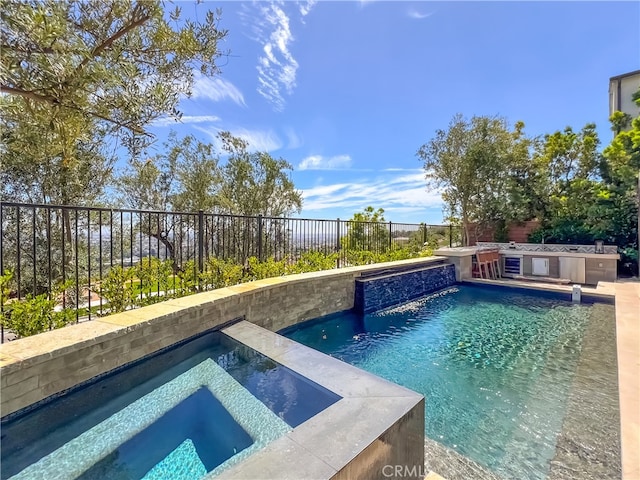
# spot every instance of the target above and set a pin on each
(199, 407)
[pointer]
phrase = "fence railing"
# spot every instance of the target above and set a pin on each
(45, 246)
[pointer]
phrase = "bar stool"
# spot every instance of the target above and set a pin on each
(484, 260)
(495, 264)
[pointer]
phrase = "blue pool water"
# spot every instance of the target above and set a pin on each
(145, 450)
(495, 366)
(199, 407)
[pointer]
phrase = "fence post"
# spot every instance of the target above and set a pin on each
(260, 238)
(1, 273)
(200, 241)
(450, 235)
(19, 261)
(338, 242)
(424, 234)
(390, 233)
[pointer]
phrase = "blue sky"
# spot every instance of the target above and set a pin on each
(348, 91)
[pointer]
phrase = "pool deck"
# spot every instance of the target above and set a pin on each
(628, 340)
(433, 476)
(627, 305)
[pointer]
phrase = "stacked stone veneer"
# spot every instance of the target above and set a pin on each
(376, 292)
(34, 368)
(539, 247)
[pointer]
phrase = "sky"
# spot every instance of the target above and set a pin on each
(347, 92)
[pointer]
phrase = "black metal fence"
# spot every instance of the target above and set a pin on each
(46, 245)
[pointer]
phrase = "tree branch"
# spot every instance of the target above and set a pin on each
(54, 101)
(29, 94)
(28, 50)
(109, 41)
(134, 129)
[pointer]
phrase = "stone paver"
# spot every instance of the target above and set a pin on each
(628, 341)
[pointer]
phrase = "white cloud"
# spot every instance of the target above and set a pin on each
(294, 140)
(185, 119)
(258, 140)
(395, 169)
(276, 67)
(413, 178)
(323, 190)
(306, 7)
(418, 15)
(216, 89)
(318, 162)
(394, 193)
(270, 26)
(403, 209)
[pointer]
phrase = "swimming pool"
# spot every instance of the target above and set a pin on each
(199, 407)
(497, 368)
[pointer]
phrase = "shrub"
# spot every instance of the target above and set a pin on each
(37, 314)
(359, 257)
(271, 267)
(117, 288)
(154, 275)
(188, 278)
(314, 261)
(221, 273)
(5, 280)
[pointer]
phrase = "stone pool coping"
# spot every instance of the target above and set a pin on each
(627, 306)
(628, 341)
(375, 423)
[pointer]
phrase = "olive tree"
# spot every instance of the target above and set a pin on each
(189, 176)
(469, 161)
(80, 78)
(79, 81)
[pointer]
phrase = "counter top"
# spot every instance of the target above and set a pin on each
(532, 253)
(467, 251)
(455, 251)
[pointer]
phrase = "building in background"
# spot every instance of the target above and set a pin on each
(621, 90)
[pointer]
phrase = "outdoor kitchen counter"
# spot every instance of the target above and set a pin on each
(544, 253)
(578, 267)
(466, 251)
